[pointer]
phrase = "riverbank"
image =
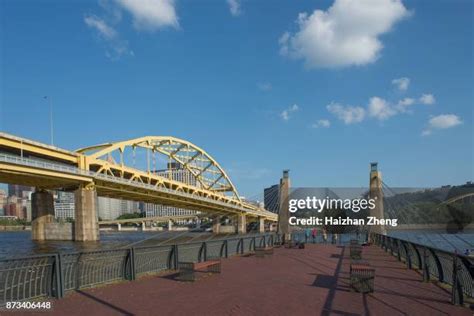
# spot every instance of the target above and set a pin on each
(14, 228)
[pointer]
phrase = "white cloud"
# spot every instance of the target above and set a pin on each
(265, 86)
(348, 114)
(406, 102)
(104, 30)
(116, 47)
(285, 114)
(321, 123)
(401, 83)
(344, 35)
(234, 7)
(442, 121)
(380, 109)
(427, 99)
(150, 15)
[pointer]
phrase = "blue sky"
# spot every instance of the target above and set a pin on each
(257, 84)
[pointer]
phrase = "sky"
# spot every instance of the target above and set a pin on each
(322, 88)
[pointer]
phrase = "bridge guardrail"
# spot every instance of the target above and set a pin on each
(453, 269)
(51, 275)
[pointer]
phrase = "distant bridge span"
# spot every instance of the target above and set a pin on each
(192, 179)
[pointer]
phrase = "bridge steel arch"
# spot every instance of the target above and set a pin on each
(205, 169)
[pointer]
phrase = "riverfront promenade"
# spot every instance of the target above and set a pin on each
(311, 281)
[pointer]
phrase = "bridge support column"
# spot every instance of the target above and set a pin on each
(86, 226)
(42, 209)
(283, 212)
(170, 224)
(143, 226)
(376, 193)
(119, 227)
(216, 225)
(261, 225)
(241, 224)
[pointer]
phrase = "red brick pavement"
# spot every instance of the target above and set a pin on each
(312, 281)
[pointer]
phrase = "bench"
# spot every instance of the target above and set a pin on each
(260, 252)
(362, 277)
(189, 271)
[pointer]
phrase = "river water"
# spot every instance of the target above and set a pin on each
(19, 243)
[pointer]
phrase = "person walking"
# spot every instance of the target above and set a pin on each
(314, 233)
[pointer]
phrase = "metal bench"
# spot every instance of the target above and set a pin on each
(260, 252)
(362, 278)
(189, 271)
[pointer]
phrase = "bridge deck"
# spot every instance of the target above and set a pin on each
(312, 281)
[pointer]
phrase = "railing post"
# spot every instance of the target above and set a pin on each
(129, 271)
(456, 294)
(438, 265)
(57, 277)
(426, 267)
(241, 246)
(175, 257)
(407, 255)
(254, 239)
(399, 255)
(226, 248)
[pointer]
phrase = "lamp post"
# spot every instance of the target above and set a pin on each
(50, 99)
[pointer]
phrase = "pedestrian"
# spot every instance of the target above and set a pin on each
(314, 232)
(307, 233)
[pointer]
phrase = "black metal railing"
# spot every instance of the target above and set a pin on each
(51, 275)
(453, 269)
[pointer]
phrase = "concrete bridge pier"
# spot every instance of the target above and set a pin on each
(170, 224)
(376, 193)
(143, 226)
(86, 226)
(283, 212)
(261, 225)
(119, 227)
(42, 209)
(241, 224)
(216, 224)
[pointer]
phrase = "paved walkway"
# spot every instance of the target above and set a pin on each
(313, 281)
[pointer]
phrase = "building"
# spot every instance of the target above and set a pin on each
(271, 198)
(64, 205)
(174, 172)
(110, 208)
(154, 210)
(3, 202)
(19, 190)
(15, 207)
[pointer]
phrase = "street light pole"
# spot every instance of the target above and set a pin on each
(50, 99)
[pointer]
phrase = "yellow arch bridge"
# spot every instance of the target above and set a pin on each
(188, 178)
